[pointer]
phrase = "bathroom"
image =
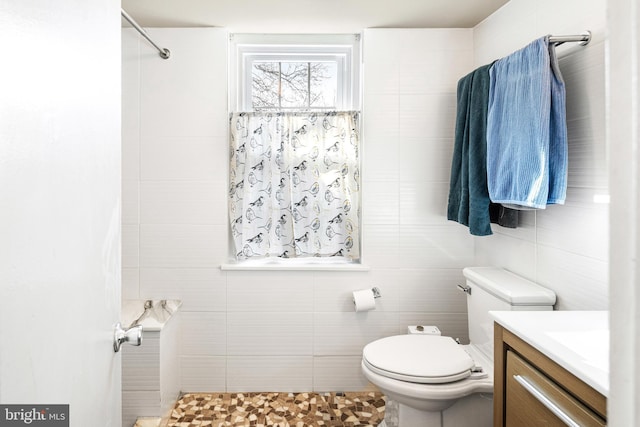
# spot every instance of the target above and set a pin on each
(245, 330)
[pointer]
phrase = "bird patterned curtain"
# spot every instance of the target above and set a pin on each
(294, 184)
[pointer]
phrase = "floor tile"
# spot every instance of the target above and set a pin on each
(351, 409)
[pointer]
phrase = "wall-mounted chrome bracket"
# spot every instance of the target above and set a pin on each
(132, 336)
(464, 288)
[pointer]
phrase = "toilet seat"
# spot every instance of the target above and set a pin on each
(423, 359)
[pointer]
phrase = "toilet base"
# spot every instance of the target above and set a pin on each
(397, 415)
(409, 416)
(478, 406)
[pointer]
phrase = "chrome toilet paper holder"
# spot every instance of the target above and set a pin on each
(376, 292)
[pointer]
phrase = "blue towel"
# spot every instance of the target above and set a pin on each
(558, 140)
(526, 129)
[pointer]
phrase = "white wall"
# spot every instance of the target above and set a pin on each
(296, 330)
(563, 247)
(290, 330)
(59, 206)
(624, 139)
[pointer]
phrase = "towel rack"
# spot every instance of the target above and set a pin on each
(583, 38)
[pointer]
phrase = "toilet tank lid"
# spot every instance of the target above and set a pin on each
(509, 287)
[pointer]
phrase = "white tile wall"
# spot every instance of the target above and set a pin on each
(269, 373)
(421, 74)
(583, 72)
(583, 279)
(130, 202)
(331, 373)
(200, 289)
(256, 331)
(425, 159)
(508, 251)
(130, 245)
(346, 333)
(130, 118)
(552, 229)
(333, 290)
(174, 195)
(139, 404)
(433, 290)
(203, 333)
(186, 95)
(170, 381)
(141, 364)
(269, 333)
(182, 202)
(427, 115)
(563, 247)
(282, 292)
(382, 243)
(423, 202)
(426, 246)
(189, 158)
(130, 283)
(182, 245)
(151, 374)
(381, 151)
(203, 373)
(380, 202)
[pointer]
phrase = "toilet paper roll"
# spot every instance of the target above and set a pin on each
(363, 300)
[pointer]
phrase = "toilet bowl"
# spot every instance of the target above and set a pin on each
(428, 374)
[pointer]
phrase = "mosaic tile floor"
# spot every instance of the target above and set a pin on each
(278, 409)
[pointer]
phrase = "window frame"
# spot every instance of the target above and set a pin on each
(344, 49)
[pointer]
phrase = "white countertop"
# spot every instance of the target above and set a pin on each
(576, 340)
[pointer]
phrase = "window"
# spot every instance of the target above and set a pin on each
(287, 73)
(294, 84)
(294, 181)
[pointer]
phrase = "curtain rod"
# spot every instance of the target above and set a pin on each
(164, 53)
(584, 38)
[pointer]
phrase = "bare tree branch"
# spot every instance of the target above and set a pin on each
(290, 84)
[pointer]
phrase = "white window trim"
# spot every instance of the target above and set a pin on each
(244, 48)
(305, 264)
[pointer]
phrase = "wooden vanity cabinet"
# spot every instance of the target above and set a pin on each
(531, 390)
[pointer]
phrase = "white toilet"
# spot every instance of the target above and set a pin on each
(426, 374)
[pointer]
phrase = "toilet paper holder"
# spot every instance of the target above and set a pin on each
(365, 299)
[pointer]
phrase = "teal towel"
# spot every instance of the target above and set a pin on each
(468, 191)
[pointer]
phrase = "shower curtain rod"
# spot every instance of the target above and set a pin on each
(164, 53)
(584, 38)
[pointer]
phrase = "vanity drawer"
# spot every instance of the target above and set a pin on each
(533, 400)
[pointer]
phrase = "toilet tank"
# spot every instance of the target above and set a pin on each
(493, 288)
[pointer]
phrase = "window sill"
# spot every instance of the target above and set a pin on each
(293, 265)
